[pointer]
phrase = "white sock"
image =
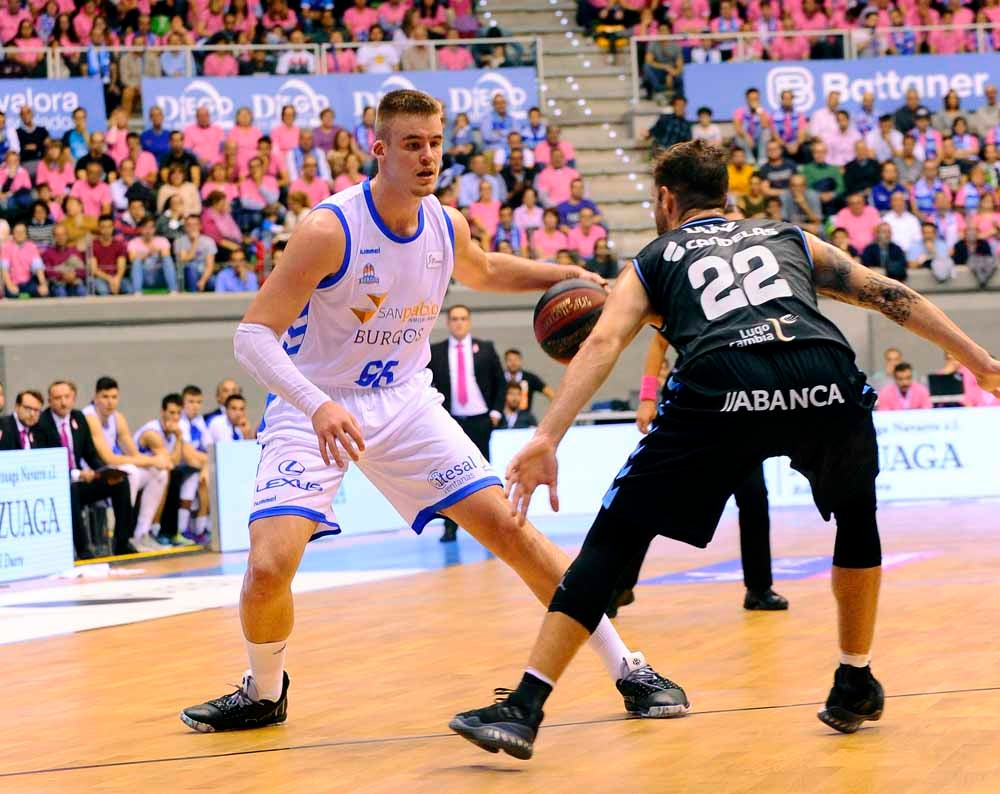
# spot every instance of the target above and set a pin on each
(856, 659)
(201, 524)
(267, 663)
(540, 676)
(183, 518)
(609, 646)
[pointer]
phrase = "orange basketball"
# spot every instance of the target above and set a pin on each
(565, 315)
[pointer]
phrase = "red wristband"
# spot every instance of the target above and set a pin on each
(648, 387)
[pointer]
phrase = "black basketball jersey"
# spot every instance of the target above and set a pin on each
(723, 284)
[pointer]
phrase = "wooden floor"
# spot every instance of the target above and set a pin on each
(377, 671)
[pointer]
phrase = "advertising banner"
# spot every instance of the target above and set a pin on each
(465, 91)
(721, 86)
(36, 529)
(54, 102)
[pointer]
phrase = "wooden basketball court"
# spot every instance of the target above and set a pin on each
(377, 670)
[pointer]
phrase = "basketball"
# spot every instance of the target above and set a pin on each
(565, 315)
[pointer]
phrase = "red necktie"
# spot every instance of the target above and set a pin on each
(65, 442)
(463, 389)
(24, 438)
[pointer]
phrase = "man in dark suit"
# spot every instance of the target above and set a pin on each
(17, 431)
(468, 373)
(61, 425)
(513, 416)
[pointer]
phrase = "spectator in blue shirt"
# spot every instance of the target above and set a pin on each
(569, 210)
(155, 138)
(533, 131)
(468, 183)
(497, 124)
(236, 277)
(881, 194)
(506, 230)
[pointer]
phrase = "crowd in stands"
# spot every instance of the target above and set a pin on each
(214, 38)
(952, 386)
(113, 211)
(795, 30)
(900, 191)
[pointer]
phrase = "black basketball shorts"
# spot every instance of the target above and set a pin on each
(727, 413)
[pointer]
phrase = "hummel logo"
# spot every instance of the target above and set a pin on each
(364, 315)
(673, 252)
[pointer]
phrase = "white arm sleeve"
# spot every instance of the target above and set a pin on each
(259, 353)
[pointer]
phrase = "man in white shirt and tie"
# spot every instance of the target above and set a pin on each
(468, 373)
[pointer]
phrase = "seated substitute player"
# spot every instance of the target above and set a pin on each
(751, 501)
(339, 335)
(704, 282)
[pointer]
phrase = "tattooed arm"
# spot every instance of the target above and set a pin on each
(837, 276)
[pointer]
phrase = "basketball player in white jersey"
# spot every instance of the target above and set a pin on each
(114, 444)
(194, 431)
(339, 335)
(231, 424)
(163, 437)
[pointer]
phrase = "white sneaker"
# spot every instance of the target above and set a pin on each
(147, 543)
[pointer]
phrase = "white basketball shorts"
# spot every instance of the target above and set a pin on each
(415, 454)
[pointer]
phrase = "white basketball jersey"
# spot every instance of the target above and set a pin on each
(109, 427)
(368, 323)
(154, 425)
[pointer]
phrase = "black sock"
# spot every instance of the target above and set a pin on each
(856, 677)
(531, 693)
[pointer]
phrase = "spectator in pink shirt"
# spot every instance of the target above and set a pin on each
(94, 193)
(946, 42)
(554, 182)
(973, 395)
(359, 18)
(217, 182)
(11, 17)
(548, 241)
(351, 175)
(246, 135)
(30, 48)
(21, 266)
(208, 21)
(340, 60)
(146, 168)
(750, 122)
(116, 136)
(56, 169)
(903, 394)
(840, 144)
(310, 184)
(221, 64)
(433, 15)
(279, 15)
(203, 138)
(151, 259)
(584, 236)
(390, 15)
(528, 216)
(83, 21)
(544, 149)
(285, 136)
(273, 165)
(485, 214)
(859, 219)
(787, 47)
(246, 18)
(454, 56)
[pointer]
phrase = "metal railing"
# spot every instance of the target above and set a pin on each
(73, 61)
(747, 46)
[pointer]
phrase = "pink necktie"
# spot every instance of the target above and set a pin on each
(24, 438)
(65, 442)
(463, 389)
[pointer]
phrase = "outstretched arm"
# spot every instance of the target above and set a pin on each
(495, 272)
(837, 276)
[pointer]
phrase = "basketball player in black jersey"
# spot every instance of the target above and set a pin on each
(712, 286)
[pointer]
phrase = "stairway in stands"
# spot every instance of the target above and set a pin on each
(591, 101)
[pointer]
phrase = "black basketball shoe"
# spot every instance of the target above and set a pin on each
(502, 726)
(649, 694)
(764, 600)
(856, 696)
(238, 711)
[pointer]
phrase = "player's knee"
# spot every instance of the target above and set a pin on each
(268, 574)
(857, 544)
(586, 588)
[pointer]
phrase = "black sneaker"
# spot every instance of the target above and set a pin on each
(765, 600)
(238, 711)
(501, 726)
(856, 696)
(649, 694)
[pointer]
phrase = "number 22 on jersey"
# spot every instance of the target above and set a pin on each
(722, 295)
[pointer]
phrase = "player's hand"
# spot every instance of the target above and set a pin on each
(989, 378)
(645, 414)
(163, 462)
(336, 428)
(574, 271)
(533, 466)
